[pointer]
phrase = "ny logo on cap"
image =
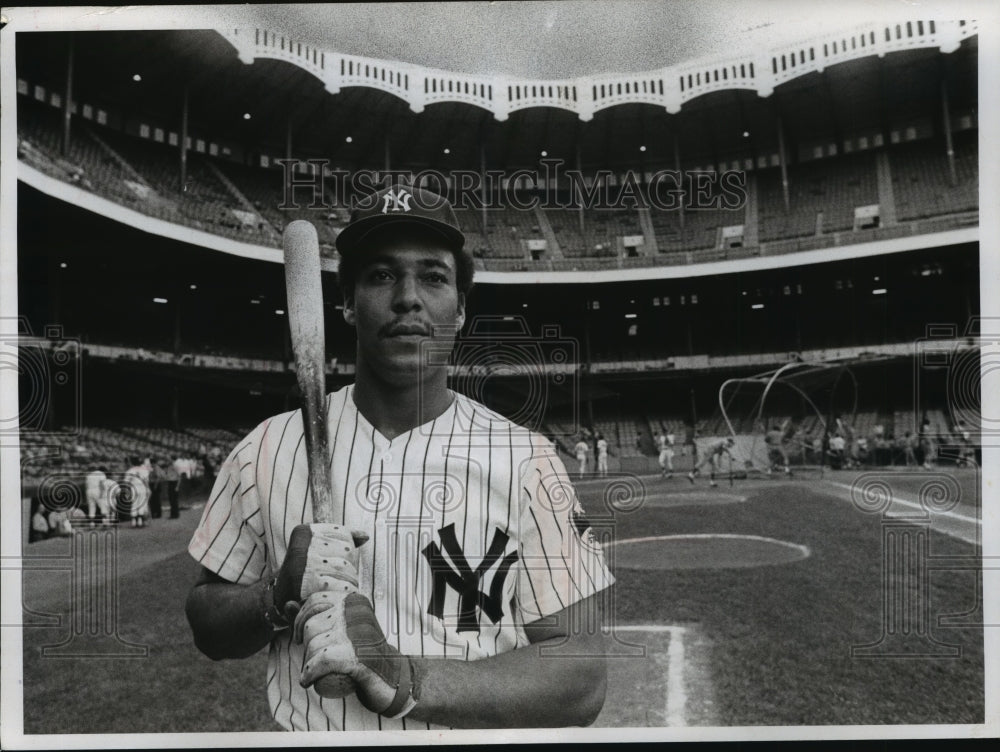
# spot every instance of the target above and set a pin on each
(400, 200)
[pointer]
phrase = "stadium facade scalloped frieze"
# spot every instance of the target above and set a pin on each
(669, 87)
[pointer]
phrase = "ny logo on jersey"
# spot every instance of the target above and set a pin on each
(465, 581)
(399, 199)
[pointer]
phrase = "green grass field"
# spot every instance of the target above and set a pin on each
(768, 644)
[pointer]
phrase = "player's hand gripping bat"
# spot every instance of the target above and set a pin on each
(304, 291)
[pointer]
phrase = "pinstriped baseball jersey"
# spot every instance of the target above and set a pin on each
(474, 527)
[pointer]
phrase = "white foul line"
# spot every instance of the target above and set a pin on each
(898, 498)
(675, 711)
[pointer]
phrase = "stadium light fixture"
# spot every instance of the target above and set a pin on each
(524, 305)
(246, 115)
(447, 150)
(631, 315)
(746, 134)
(193, 287)
(642, 148)
(159, 300)
(879, 291)
(63, 265)
(279, 312)
(349, 139)
(254, 301)
(137, 78)
(757, 306)
(544, 153)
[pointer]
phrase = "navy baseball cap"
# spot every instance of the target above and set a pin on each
(401, 204)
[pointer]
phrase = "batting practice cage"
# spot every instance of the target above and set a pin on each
(781, 420)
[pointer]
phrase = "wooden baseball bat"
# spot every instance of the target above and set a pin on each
(304, 291)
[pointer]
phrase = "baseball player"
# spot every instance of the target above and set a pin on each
(776, 454)
(135, 477)
(928, 446)
(581, 450)
(712, 457)
(665, 445)
(602, 456)
(96, 497)
(477, 553)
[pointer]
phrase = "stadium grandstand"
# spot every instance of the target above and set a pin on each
(641, 239)
(854, 160)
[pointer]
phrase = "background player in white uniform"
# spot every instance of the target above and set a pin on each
(136, 477)
(712, 457)
(96, 496)
(474, 531)
(581, 450)
(602, 456)
(665, 445)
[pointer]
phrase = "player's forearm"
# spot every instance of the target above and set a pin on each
(227, 620)
(519, 689)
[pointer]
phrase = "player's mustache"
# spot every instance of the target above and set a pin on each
(397, 328)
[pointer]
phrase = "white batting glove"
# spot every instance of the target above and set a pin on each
(320, 557)
(343, 638)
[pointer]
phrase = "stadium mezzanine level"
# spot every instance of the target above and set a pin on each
(129, 180)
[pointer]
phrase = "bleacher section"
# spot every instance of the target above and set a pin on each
(610, 226)
(112, 448)
(922, 183)
(116, 448)
(506, 231)
(822, 196)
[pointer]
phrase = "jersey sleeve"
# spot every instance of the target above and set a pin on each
(230, 539)
(561, 561)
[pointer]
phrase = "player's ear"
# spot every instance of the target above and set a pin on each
(349, 315)
(460, 314)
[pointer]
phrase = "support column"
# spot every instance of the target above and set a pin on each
(783, 161)
(482, 181)
(677, 169)
(68, 99)
(946, 116)
(184, 138)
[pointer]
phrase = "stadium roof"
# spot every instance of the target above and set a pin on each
(847, 97)
(544, 39)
